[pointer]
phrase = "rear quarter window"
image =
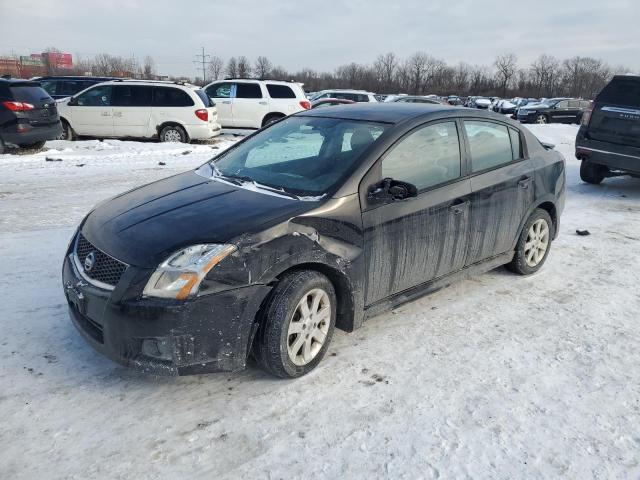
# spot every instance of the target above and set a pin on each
(621, 91)
(280, 91)
(171, 97)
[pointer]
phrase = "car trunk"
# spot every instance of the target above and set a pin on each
(616, 114)
(44, 111)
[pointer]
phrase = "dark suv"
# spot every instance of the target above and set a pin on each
(321, 220)
(62, 86)
(608, 142)
(553, 110)
(28, 115)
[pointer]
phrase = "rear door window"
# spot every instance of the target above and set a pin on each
(248, 90)
(132, 96)
(490, 144)
(280, 91)
(171, 97)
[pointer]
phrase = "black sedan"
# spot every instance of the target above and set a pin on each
(322, 220)
(553, 110)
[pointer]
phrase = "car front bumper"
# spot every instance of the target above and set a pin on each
(210, 333)
(523, 117)
(29, 134)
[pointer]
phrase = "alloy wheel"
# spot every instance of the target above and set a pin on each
(172, 136)
(541, 119)
(309, 326)
(537, 242)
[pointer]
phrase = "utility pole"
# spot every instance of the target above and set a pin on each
(204, 60)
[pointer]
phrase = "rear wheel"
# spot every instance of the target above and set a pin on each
(542, 119)
(173, 133)
(298, 324)
(269, 119)
(534, 244)
(592, 172)
(2, 147)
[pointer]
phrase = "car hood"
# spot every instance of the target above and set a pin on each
(144, 226)
(482, 101)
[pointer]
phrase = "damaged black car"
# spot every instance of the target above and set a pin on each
(319, 221)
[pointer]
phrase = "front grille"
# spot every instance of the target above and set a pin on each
(105, 269)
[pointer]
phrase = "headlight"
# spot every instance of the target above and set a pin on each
(180, 275)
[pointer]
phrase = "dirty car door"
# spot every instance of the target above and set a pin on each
(413, 240)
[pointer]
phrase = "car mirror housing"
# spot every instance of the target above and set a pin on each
(389, 190)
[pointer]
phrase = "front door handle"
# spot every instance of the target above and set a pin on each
(227, 102)
(117, 114)
(105, 114)
(524, 183)
(459, 208)
(262, 103)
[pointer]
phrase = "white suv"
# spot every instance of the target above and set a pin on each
(246, 103)
(353, 95)
(168, 111)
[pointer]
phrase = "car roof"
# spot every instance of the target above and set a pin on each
(19, 81)
(73, 77)
(391, 112)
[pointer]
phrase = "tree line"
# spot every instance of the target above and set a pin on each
(418, 74)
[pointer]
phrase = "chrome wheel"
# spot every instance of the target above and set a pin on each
(309, 326)
(172, 136)
(537, 242)
(541, 119)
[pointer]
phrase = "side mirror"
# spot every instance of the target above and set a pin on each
(389, 190)
(72, 102)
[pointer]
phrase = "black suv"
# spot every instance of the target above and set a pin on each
(321, 220)
(62, 87)
(28, 115)
(554, 110)
(608, 142)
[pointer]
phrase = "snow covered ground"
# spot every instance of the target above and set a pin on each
(496, 377)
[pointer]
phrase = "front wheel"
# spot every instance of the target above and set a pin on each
(534, 244)
(173, 133)
(592, 172)
(542, 119)
(67, 132)
(297, 325)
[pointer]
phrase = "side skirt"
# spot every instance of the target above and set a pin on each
(436, 284)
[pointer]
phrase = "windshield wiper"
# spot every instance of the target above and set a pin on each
(240, 179)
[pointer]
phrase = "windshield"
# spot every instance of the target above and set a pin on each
(305, 156)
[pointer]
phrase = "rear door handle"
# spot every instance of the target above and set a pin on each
(227, 102)
(262, 103)
(459, 208)
(524, 183)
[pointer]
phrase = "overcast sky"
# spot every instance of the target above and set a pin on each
(324, 34)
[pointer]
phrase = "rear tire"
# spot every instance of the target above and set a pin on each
(297, 324)
(173, 133)
(542, 119)
(2, 147)
(534, 243)
(592, 172)
(269, 119)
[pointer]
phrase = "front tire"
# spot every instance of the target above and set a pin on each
(173, 133)
(269, 119)
(592, 172)
(67, 132)
(534, 243)
(297, 324)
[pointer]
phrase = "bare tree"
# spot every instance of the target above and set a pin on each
(263, 67)
(215, 67)
(232, 68)
(385, 69)
(544, 73)
(244, 67)
(149, 68)
(506, 65)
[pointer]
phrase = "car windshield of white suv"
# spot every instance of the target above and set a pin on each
(299, 156)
